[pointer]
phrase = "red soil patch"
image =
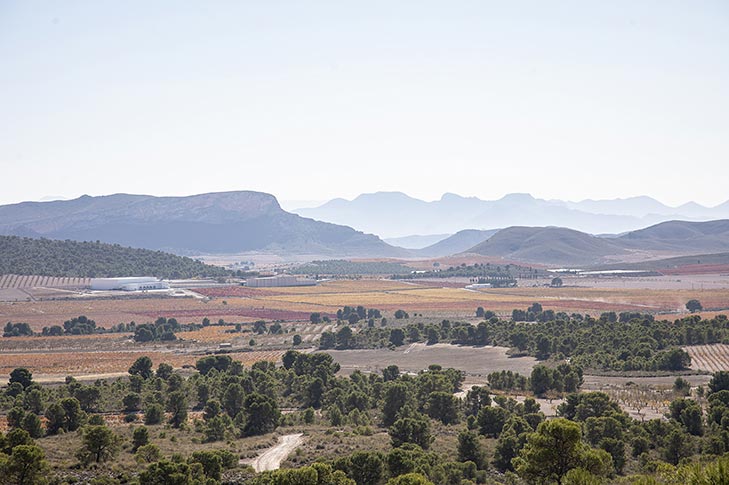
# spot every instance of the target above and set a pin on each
(697, 269)
(257, 313)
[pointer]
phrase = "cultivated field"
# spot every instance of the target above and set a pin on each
(96, 364)
(712, 358)
(426, 301)
(475, 361)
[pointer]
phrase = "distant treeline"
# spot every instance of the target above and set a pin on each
(479, 273)
(48, 257)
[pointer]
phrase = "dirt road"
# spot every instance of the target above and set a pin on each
(271, 458)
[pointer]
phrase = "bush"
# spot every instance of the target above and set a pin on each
(148, 454)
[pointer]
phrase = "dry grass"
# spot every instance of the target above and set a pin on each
(478, 361)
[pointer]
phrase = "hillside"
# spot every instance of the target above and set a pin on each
(696, 263)
(457, 243)
(226, 222)
(680, 237)
(561, 246)
(548, 245)
(26, 256)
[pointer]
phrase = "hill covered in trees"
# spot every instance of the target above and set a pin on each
(28, 256)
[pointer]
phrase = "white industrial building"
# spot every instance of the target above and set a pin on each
(278, 281)
(134, 283)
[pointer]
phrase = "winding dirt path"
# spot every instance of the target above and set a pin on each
(271, 458)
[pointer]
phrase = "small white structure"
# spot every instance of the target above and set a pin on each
(134, 283)
(476, 286)
(278, 281)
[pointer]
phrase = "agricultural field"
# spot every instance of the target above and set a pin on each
(475, 361)
(426, 301)
(30, 281)
(50, 366)
(711, 358)
(431, 298)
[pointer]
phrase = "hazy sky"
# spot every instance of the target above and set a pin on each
(315, 100)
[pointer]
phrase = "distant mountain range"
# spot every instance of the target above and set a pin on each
(225, 222)
(240, 222)
(396, 215)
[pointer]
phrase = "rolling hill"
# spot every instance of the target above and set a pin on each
(225, 222)
(561, 246)
(696, 263)
(547, 245)
(680, 237)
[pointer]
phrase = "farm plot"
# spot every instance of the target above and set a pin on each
(104, 341)
(475, 361)
(652, 300)
(343, 286)
(712, 358)
(108, 312)
(102, 363)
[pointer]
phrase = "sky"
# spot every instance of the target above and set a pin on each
(321, 99)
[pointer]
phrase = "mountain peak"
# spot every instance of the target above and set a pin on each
(384, 195)
(518, 198)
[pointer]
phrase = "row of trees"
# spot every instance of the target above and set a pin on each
(486, 272)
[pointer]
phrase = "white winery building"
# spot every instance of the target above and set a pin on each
(134, 283)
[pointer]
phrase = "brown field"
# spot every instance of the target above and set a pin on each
(691, 269)
(25, 281)
(109, 362)
(712, 358)
(475, 361)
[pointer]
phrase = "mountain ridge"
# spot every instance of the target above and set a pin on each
(396, 214)
(218, 222)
